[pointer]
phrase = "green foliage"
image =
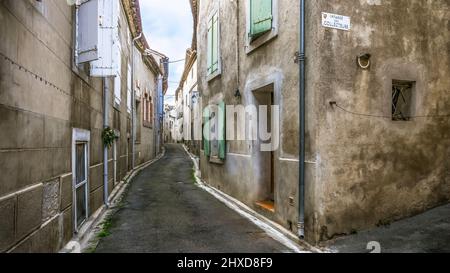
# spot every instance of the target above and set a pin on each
(108, 136)
(105, 232)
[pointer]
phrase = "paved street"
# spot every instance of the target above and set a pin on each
(425, 233)
(164, 211)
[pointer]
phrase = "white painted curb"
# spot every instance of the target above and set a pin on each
(272, 229)
(87, 236)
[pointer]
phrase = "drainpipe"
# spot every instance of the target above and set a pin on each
(133, 105)
(105, 149)
(301, 186)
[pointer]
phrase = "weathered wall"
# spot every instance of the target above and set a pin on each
(36, 122)
(270, 64)
(370, 170)
(145, 145)
(360, 171)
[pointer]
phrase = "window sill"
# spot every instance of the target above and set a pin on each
(260, 41)
(213, 76)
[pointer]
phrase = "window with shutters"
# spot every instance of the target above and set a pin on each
(262, 22)
(129, 88)
(138, 121)
(214, 140)
(96, 42)
(148, 111)
(213, 47)
(260, 17)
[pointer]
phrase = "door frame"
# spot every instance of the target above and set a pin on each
(80, 136)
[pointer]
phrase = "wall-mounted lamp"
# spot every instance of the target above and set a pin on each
(237, 94)
(364, 60)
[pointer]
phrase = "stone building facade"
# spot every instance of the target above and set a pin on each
(191, 103)
(377, 108)
(51, 123)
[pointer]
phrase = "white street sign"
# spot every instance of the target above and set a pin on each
(336, 21)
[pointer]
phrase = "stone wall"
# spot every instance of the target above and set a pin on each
(371, 170)
(36, 123)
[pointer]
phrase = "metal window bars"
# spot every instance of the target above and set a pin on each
(401, 101)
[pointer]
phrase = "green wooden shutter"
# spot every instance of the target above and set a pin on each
(206, 132)
(261, 17)
(221, 133)
(215, 43)
(210, 46)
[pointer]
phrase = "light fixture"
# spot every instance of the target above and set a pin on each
(237, 94)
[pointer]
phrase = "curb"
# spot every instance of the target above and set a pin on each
(87, 237)
(274, 230)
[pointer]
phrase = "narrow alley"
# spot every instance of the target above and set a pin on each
(193, 126)
(165, 212)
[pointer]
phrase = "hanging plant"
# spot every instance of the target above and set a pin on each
(108, 136)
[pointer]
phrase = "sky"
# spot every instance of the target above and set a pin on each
(168, 27)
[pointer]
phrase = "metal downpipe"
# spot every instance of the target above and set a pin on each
(105, 148)
(302, 70)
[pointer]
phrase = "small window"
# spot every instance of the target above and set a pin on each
(81, 184)
(138, 121)
(402, 100)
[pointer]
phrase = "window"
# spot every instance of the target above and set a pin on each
(80, 167)
(80, 183)
(261, 17)
(214, 142)
(129, 87)
(150, 117)
(402, 100)
(262, 23)
(213, 45)
(138, 121)
(148, 111)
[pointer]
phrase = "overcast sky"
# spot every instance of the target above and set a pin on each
(168, 28)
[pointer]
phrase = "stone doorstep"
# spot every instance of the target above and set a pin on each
(288, 234)
(91, 227)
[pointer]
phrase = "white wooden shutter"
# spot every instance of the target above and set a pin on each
(108, 37)
(87, 31)
(117, 80)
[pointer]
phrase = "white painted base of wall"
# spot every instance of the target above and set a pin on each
(86, 238)
(274, 230)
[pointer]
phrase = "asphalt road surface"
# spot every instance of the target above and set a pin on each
(165, 212)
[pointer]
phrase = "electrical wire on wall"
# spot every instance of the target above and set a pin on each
(44, 81)
(335, 104)
(177, 61)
